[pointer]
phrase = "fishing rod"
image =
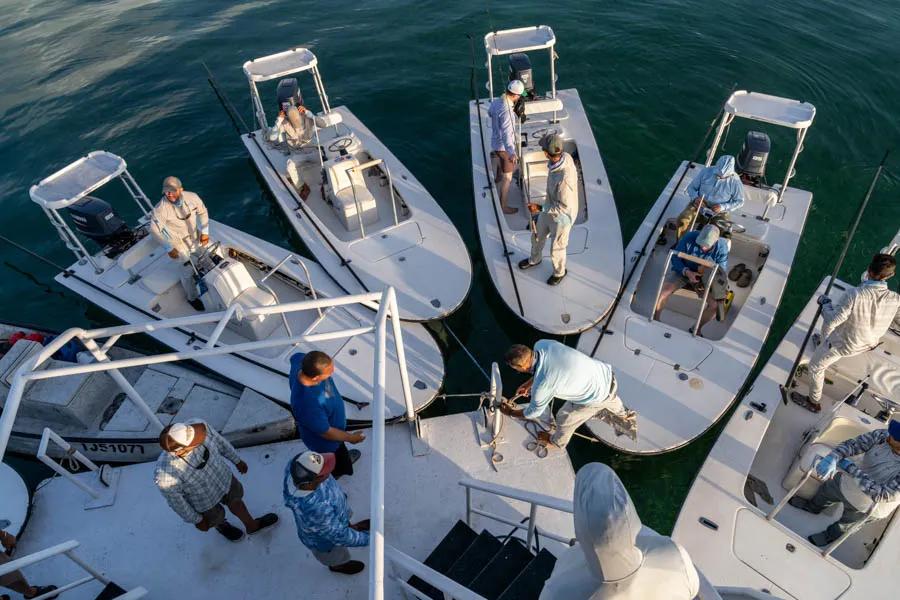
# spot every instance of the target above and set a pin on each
(837, 267)
(236, 118)
(487, 171)
(65, 272)
(662, 212)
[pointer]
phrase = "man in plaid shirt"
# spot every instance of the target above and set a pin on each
(196, 481)
(853, 325)
(874, 481)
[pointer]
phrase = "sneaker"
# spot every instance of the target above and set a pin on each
(267, 520)
(555, 279)
(351, 567)
(40, 590)
(804, 505)
(197, 305)
(231, 533)
(804, 401)
(820, 539)
(525, 264)
(354, 455)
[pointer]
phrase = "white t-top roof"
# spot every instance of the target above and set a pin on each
(71, 184)
(279, 65)
(524, 39)
(771, 109)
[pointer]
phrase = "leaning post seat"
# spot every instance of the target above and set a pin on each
(230, 282)
(347, 188)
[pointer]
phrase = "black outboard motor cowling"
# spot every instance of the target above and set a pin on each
(95, 219)
(288, 93)
(751, 162)
(520, 68)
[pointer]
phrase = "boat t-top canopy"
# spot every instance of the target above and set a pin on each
(72, 183)
(765, 108)
(523, 39)
(278, 65)
(771, 109)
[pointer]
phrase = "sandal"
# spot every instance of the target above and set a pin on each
(805, 402)
(40, 590)
(267, 520)
(745, 278)
(736, 271)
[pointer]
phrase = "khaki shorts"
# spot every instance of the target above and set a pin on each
(215, 516)
(503, 161)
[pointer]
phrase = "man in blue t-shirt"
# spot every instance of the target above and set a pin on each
(318, 410)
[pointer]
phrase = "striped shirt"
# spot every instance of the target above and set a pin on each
(858, 321)
(877, 478)
(192, 489)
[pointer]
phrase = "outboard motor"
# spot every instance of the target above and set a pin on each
(751, 162)
(520, 68)
(288, 93)
(96, 220)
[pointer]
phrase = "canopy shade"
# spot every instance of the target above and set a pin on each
(71, 183)
(279, 65)
(771, 109)
(524, 39)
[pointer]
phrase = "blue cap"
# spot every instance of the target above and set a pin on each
(894, 429)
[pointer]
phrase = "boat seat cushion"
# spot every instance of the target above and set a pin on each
(348, 188)
(162, 275)
(536, 170)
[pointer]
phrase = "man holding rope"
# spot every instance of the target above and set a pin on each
(587, 385)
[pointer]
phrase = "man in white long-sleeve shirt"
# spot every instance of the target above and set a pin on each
(180, 223)
(503, 141)
(853, 325)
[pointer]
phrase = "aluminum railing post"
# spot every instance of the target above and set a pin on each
(801, 135)
(129, 390)
(850, 531)
(791, 492)
(532, 523)
(394, 313)
(468, 506)
(712, 278)
(376, 509)
(659, 287)
(10, 408)
(87, 568)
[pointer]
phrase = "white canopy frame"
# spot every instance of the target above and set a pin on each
(765, 108)
(72, 183)
(522, 39)
(282, 64)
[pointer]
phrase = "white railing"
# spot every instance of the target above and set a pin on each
(51, 436)
(448, 587)
(66, 549)
(532, 498)
(30, 370)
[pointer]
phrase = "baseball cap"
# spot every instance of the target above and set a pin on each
(516, 87)
(894, 429)
(551, 143)
(309, 465)
(182, 435)
(171, 184)
(709, 235)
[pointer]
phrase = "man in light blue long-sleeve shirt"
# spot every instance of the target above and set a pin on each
(587, 385)
(322, 513)
(503, 141)
(720, 190)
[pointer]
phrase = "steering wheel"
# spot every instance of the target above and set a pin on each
(728, 226)
(340, 144)
(887, 404)
(542, 132)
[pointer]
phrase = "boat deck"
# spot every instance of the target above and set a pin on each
(140, 541)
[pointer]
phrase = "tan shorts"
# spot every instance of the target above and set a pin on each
(215, 516)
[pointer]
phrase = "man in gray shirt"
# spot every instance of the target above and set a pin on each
(853, 325)
(875, 480)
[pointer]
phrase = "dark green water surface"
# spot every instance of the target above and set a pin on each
(125, 76)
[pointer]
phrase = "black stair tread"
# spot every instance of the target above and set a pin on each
(110, 591)
(470, 564)
(530, 582)
(447, 552)
(506, 565)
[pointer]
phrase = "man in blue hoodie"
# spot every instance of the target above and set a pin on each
(705, 245)
(322, 513)
(718, 188)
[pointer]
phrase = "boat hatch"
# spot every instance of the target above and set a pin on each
(779, 556)
(578, 237)
(666, 344)
(389, 242)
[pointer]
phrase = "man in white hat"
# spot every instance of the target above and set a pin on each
(180, 223)
(322, 513)
(503, 140)
(559, 211)
(195, 480)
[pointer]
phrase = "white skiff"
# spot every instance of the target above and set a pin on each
(680, 384)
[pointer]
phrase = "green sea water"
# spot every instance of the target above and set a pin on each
(126, 76)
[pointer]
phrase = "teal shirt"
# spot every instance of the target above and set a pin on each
(565, 373)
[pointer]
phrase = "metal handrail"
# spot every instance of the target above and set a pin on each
(534, 499)
(359, 169)
(450, 589)
(51, 436)
(66, 549)
(690, 258)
